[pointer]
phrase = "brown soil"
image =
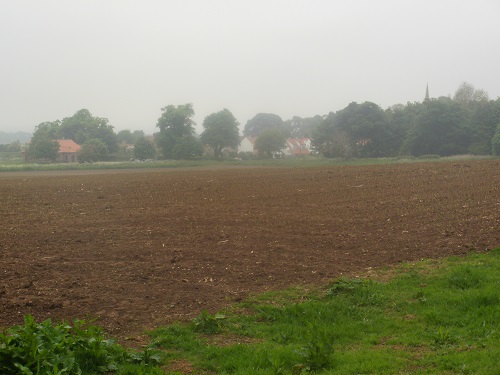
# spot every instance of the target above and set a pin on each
(140, 249)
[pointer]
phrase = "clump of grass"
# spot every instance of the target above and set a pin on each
(466, 277)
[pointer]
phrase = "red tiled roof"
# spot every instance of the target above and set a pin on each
(68, 146)
(295, 146)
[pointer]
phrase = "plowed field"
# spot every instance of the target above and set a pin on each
(137, 249)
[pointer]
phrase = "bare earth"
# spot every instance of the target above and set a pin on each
(138, 249)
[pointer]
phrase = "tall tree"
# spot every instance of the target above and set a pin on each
(93, 150)
(43, 145)
(484, 117)
(83, 126)
(187, 148)
(48, 129)
(401, 118)
(265, 121)
(42, 148)
(144, 149)
(80, 127)
(175, 123)
(495, 142)
(303, 127)
(270, 142)
(441, 127)
(324, 138)
(330, 141)
(366, 127)
(467, 93)
(125, 136)
(221, 130)
(129, 138)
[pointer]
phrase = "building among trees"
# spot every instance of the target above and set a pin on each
(68, 150)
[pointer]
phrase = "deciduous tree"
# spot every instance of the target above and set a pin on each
(82, 127)
(467, 93)
(270, 142)
(144, 149)
(265, 121)
(221, 130)
(441, 128)
(401, 118)
(42, 148)
(303, 127)
(332, 142)
(93, 150)
(175, 123)
(364, 126)
(128, 137)
(495, 142)
(187, 148)
(324, 138)
(484, 118)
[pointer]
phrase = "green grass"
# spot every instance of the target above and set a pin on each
(429, 317)
(300, 162)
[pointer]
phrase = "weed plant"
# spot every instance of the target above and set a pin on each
(209, 324)
(46, 348)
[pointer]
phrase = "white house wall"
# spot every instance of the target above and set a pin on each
(245, 146)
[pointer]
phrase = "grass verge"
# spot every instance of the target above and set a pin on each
(424, 318)
(300, 162)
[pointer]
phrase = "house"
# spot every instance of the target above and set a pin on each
(297, 147)
(247, 144)
(293, 147)
(67, 151)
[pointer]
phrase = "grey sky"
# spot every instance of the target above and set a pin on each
(124, 60)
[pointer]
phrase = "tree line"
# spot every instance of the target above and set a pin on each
(468, 123)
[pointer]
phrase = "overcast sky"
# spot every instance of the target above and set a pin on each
(125, 60)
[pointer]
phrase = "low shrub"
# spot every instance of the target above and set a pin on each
(46, 348)
(208, 324)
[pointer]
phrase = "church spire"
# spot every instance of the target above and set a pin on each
(427, 93)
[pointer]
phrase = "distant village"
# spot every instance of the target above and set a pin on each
(467, 123)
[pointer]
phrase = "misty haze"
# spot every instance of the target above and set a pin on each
(249, 187)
